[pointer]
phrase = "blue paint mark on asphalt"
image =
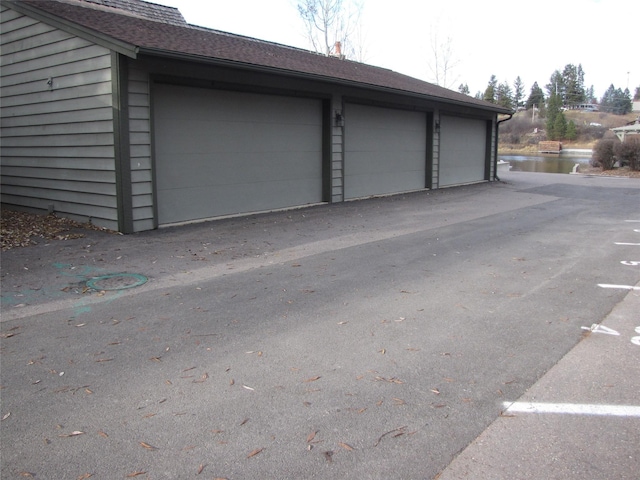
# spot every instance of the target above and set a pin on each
(80, 280)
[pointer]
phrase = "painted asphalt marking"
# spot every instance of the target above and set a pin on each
(633, 244)
(597, 328)
(117, 281)
(631, 263)
(622, 287)
(572, 409)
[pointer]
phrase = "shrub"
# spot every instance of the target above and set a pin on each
(603, 155)
(628, 152)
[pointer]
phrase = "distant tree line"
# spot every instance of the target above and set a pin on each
(566, 89)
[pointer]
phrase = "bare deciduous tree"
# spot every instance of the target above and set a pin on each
(328, 22)
(443, 60)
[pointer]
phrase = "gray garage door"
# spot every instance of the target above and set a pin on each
(462, 150)
(219, 153)
(385, 151)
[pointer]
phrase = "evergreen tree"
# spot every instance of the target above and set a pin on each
(636, 96)
(536, 97)
(490, 91)
(554, 106)
(556, 86)
(559, 127)
(590, 96)
(625, 103)
(464, 88)
(572, 131)
(616, 101)
(518, 92)
(573, 81)
(504, 96)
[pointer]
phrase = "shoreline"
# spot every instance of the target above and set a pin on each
(533, 150)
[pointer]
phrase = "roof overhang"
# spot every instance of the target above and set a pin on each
(621, 132)
(320, 78)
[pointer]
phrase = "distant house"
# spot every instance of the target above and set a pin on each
(121, 113)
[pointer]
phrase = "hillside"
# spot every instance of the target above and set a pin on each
(522, 133)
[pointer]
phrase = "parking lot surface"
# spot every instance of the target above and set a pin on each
(459, 333)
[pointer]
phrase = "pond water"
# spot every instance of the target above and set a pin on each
(551, 163)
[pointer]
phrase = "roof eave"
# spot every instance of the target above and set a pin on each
(73, 28)
(312, 76)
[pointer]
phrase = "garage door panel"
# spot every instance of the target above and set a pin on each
(239, 137)
(221, 153)
(362, 140)
(462, 150)
(385, 151)
(233, 169)
(232, 107)
(394, 181)
(248, 197)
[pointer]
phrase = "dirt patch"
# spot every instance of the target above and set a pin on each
(21, 229)
(616, 172)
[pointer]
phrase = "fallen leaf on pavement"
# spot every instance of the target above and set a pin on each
(135, 474)
(311, 436)
(147, 446)
(396, 431)
(346, 446)
(255, 452)
(202, 378)
(312, 379)
(72, 434)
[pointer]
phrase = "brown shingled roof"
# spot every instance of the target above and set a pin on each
(151, 11)
(194, 42)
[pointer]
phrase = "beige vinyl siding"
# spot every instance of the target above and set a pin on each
(140, 149)
(57, 140)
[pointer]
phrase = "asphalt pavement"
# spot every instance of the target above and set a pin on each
(484, 331)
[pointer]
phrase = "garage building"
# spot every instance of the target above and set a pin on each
(121, 113)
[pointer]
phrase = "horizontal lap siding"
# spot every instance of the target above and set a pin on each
(140, 149)
(57, 141)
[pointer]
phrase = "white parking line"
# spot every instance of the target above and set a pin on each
(622, 287)
(597, 328)
(572, 408)
(621, 243)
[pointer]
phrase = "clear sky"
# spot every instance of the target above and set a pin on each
(505, 38)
